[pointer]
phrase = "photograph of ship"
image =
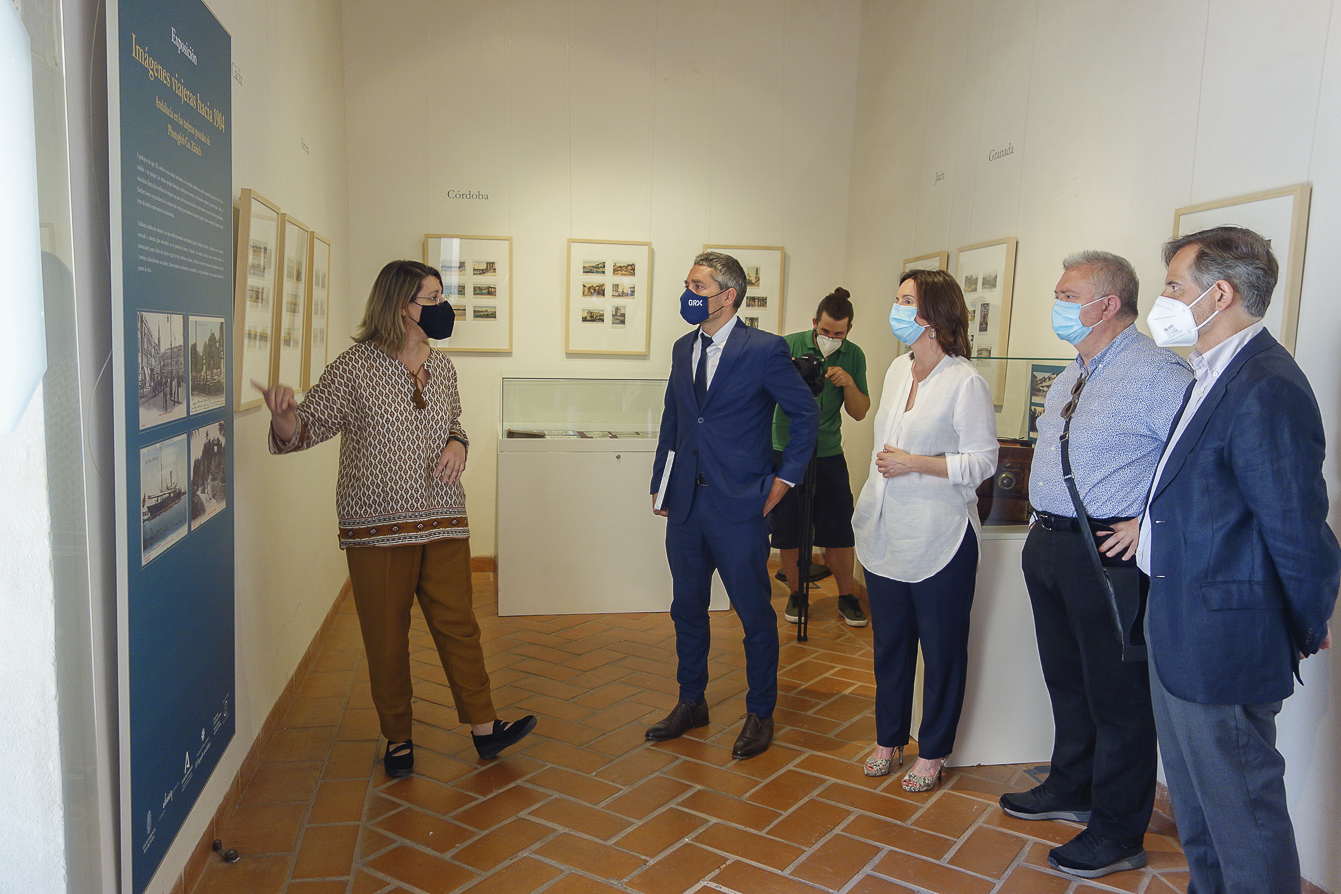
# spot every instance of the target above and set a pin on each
(162, 368)
(209, 494)
(625, 268)
(207, 363)
(163, 503)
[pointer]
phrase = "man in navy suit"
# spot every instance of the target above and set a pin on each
(1243, 567)
(717, 438)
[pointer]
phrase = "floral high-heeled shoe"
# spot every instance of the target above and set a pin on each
(879, 766)
(916, 782)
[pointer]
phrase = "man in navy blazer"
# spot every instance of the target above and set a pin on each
(725, 380)
(1243, 567)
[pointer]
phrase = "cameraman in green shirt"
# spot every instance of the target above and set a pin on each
(845, 388)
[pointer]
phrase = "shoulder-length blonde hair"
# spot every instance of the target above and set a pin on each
(395, 286)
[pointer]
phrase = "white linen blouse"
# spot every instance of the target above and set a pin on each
(909, 527)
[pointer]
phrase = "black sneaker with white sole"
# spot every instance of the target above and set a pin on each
(1040, 804)
(1091, 855)
(850, 609)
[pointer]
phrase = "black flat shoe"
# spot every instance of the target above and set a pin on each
(682, 718)
(504, 735)
(399, 758)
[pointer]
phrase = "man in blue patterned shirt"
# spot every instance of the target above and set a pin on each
(1121, 395)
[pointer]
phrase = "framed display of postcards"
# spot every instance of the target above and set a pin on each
(1281, 217)
(254, 296)
(316, 335)
(937, 260)
(609, 297)
(765, 269)
(477, 282)
(986, 272)
(291, 274)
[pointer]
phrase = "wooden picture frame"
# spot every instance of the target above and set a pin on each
(291, 275)
(1281, 217)
(609, 297)
(937, 260)
(477, 281)
(317, 311)
(254, 296)
(764, 298)
(986, 273)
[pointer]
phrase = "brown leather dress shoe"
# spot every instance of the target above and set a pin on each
(682, 718)
(754, 737)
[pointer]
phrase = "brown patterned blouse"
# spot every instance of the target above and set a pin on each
(386, 493)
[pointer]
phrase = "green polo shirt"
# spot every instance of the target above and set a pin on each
(852, 361)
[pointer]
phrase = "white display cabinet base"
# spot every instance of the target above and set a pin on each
(576, 533)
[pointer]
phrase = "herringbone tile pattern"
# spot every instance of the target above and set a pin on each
(587, 805)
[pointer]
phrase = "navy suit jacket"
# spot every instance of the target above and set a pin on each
(1243, 566)
(729, 440)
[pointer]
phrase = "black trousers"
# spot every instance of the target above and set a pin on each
(1103, 751)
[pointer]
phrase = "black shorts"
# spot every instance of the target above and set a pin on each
(832, 510)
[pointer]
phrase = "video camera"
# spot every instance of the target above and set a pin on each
(811, 368)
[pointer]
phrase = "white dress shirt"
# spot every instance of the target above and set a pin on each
(1207, 369)
(714, 350)
(910, 526)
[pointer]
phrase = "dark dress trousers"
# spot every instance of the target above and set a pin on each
(720, 479)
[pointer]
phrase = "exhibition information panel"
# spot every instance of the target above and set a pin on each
(172, 222)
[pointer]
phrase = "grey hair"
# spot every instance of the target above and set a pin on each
(1110, 274)
(726, 272)
(1237, 255)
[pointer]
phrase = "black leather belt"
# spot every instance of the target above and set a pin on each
(1050, 522)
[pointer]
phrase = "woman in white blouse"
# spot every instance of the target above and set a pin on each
(916, 522)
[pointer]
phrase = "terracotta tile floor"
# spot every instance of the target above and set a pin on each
(586, 805)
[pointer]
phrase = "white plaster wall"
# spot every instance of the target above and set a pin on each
(289, 568)
(679, 122)
(32, 821)
(1118, 113)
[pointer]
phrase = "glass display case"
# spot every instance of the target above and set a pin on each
(571, 409)
(1019, 386)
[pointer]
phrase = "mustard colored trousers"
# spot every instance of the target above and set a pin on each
(385, 580)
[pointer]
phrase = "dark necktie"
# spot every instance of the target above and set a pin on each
(701, 374)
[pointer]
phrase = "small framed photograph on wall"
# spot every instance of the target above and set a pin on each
(765, 271)
(986, 272)
(937, 260)
(291, 275)
(1281, 217)
(477, 282)
(316, 328)
(254, 296)
(609, 297)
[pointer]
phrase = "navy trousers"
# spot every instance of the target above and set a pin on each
(1103, 751)
(738, 551)
(936, 613)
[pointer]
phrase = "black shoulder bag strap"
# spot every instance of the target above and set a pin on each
(1123, 589)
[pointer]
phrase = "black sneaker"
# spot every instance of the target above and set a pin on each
(850, 609)
(793, 610)
(1090, 855)
(1040, 804)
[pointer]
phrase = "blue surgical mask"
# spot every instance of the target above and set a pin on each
(903, 323)
(694, 307)
(1066, 320)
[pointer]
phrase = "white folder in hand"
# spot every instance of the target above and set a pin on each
(665, 479)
